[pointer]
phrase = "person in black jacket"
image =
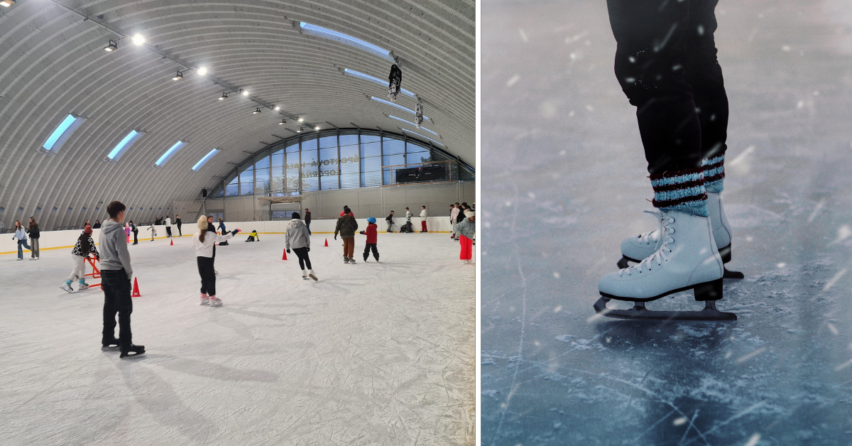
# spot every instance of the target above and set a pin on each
(33, 231)
(97, 224)
(307, 220)
(135, 233)
(178, 223)
(211, 228)
(463, 207)
(389, 219)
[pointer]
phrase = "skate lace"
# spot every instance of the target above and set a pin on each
(646, 237)
(662, 254)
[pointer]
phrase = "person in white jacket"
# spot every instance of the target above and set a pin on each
(168, 226)
(423, 216)
(454, 216)
(204, 242)
(299, 238)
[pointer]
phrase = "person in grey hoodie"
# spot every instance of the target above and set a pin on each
(299, 238)
(116, 274)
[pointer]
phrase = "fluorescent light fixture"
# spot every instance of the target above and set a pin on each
(202, 70)
(169, 153)
(317, 128)
(411, 123)
(139, 39)
(113, 45)
(256, 111)
(417, 134)
(314, 30)
(62, 133)
(205, 159)
(124, 144)
(391, 104)
(300, 130)
(283, 121)
(7, 3)
(375, 80)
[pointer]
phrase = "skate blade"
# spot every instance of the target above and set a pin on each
(733, 274)
(315, 278)
(645, 314)
(131, 356)
(107, 348)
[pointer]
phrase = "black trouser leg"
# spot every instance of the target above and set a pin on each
(135, 237)
(180, 233)
(208, 275)
(117, 300)
(304, 257)
(168, 231)
(650, 64)
(371, 247)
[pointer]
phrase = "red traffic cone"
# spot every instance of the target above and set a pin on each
(136, 288)
(326, 243)
(284, 257)
(172, 243)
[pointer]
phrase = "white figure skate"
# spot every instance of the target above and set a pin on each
(687, 259)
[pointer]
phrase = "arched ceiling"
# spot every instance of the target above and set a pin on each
(53, 63)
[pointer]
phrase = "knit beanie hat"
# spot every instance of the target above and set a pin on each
(346, 210)
(469, 214)
(87, 229)
(202, 222)
(296, 216)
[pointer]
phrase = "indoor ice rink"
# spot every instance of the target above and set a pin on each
(249, 112)
(567, 182)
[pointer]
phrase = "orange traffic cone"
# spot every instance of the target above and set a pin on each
(172, 243)
(285, 255)
(136, 288)
(326, 243)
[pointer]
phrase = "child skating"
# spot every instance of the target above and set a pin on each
(299, 239)
(253, 237)
(372, 239)
(204, 242)
(84, 246)
(153, 230)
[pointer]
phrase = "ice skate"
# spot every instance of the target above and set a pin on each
(132, 351)
(634, 249)
(84, 286)
(304, 275)
(312, 275)
(687, 259)
(109, 344)
(346, 260)
(67, 288)
(215, 301)
(204, 300)
(352, 260)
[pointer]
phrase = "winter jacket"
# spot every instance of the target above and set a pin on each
(307, 217)
(205, 249)
(346, 226)
(222, 227)
(34, 232)
(168, 221)
(454, 215)
(370, 232)
(467, 228)
(408, 215)
(297, 235)
(460, 216)
(389, 218)
(113, 242)
(78, 248)
(21, 234)
(96, 226)
(423, 213)
(210, 227)
(178, 222)
(134, 228)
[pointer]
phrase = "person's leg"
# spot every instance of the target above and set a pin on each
(180, 232)
(375, 251)
(366, 251)
(352, 248)
(300, 253)
(125, 307)
(307, 259)
(110, 305)
(168, 231)
(34, 250)
(20, 250)
(308, 224)
(202, 273)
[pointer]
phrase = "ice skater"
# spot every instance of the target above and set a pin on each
(222, 229)
(389, 220)
(467, 232)
(35, 234)
(666, 64)
(372, 239)
(127, 231)
(168, 227)
(346, 226)
(116, 275)
(85, 245)
(153, 230)
(460, 217)
(135, 231)
(179, 223)
(454, 215)
(205, 241)
(423, 216)
(308, 219)
(21, 236)
(298, 238)
(253, 235)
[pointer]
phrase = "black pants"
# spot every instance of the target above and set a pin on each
(666, 64)
(208, 275)
(367, 248)
(390, 225)
(168, 231)
(180, 233)
(135, 239)
(117, 300)
(304, 258)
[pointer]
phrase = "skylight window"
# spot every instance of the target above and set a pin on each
(374, 80)
(62, 133)
(169, 153)
(411, 123)
(417, 134)
(205, 159)
(391, 104)
(314, 30)
(124, 144)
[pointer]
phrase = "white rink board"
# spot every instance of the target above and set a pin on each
(372, 354)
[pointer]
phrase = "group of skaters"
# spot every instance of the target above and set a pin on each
(21, 235)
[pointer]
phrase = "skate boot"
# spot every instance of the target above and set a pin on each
(132, 351)
(345, 259)
(634, 249)
(304, 275)
(109, 344)
(215, 302)
(312, 275)
(204, 300)
(67, 287)
(366, 256)
(83, 286)
(687, 259)
(352, 260)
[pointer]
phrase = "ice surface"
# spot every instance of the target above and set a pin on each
(566, 181)
(372, 354)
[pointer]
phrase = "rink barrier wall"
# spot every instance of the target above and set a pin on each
(53, 240)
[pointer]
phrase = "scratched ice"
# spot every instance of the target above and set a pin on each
(566, 181)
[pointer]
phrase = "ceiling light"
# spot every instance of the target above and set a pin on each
(223, 97)
(300, 129)
(202, 71)
(283, 121)
(277, 108)
(316, 128)
(178, 76)
(245, 92)
(139, 39)
(7, 3)
(113, 45)
(256, 111)
(301, 119)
